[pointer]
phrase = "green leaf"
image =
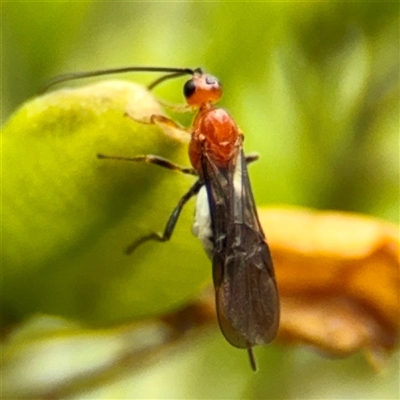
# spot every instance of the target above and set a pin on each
(68, 216)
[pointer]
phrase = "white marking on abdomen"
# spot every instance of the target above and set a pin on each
(202, 222)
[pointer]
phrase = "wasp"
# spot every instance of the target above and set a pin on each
(226, 220)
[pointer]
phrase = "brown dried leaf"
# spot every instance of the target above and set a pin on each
(338, 278)
(339, 283)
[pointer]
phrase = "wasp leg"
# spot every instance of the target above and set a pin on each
(178, 108)
(251, 158)
(252, 359)
(152, 159)
(169, 126)
(173, 219)
(167, 123)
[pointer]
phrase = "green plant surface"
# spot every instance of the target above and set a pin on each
(69, 216)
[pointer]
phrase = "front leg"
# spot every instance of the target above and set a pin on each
(167, 125)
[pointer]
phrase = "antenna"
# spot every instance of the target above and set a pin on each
(171, 73)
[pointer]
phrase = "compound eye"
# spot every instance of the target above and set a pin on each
(189, 88)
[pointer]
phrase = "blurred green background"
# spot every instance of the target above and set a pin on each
(314, 87)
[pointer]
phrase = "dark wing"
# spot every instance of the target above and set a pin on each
(246, 292)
